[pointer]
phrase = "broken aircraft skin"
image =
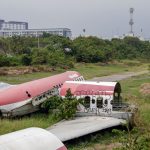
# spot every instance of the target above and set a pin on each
(31, 139)
(21, 99)
(25, 98)
(101, 108)
(97, 96)
(101, 99)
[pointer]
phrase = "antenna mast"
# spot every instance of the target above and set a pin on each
(131, 22)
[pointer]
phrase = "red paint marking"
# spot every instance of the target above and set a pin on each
(87, 89)
(62, 148)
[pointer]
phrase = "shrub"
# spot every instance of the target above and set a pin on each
(51, 103)
(4, 61)
(39, 56)
(68, 107)
(14, 61)
(134, 139)
(26, 60)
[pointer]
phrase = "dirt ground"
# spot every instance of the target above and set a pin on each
(104, 147)
(145, 89)
(24, 70)
(118, 77)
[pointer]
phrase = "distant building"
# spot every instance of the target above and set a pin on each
(36, 32)
(13, 28)
(13, 25)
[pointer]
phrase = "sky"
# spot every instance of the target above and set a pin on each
(102, 18)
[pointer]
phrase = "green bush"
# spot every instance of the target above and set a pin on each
(66, 107)
(51, 103)
(4, 61)
(39, 56)
(134, 139)
(26, 60)
(9, 61)
(14, 61)
(52, 50)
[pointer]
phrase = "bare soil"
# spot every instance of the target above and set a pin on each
(105, 147)
(145, 89)
(24, 70)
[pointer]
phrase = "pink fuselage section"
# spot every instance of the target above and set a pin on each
(28, 90)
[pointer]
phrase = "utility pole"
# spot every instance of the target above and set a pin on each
(84, 30)
(38, 42)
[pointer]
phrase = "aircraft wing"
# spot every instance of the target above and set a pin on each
(80, 126)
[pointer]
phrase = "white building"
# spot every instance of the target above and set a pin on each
(14, 28)
(13, 25)
(36, 32)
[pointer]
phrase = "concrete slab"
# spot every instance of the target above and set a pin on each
(80, 126)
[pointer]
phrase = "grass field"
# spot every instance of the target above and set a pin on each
(130, 89)
(87, 70)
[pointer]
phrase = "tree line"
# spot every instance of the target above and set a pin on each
(58, 51)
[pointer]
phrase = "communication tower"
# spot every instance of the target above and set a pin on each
(131, 22)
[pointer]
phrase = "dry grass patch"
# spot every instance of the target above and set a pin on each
(145, 89)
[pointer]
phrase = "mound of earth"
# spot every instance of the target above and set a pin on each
(145, 89)
(24, 70)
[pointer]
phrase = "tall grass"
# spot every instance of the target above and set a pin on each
(131, 92)
(35, 120)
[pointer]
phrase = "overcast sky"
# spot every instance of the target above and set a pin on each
(99, 17)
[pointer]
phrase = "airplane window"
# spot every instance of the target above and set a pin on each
(106, 102)
(100, 102)
(100, 98)
(112, 102)
(93, 101)
(36, 99)
(40, 97)
(87, 101)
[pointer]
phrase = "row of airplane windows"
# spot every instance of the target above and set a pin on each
(49, 93)
(98, 92)
(79, 78)
(53, 91)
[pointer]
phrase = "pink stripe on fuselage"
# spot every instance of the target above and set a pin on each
(62, 148)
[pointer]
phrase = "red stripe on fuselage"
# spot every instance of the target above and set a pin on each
(62, 148)
(87, 89)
